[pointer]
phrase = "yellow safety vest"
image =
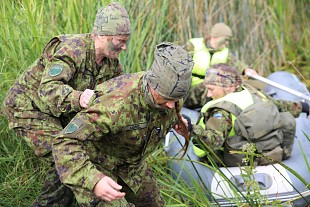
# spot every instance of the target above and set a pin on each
(202, 59)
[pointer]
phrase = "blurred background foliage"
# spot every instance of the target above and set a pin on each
(269, 35)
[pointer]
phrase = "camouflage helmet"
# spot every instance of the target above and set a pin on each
(170, 73)
(112, 20)
(221, 30)
(222, 75)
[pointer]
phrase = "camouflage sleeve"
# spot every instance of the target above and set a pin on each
(217, 126)
(54, 89)
(71, 151)
(189, 47)
(120, 70)
(294, 108)
(239, 65)
(197, 97)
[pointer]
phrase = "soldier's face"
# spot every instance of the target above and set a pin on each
(215, 92)
(161, 101)
(117, 44)
(113, 45)
(217, 42)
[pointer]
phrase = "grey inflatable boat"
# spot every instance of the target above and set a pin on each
(287, 181)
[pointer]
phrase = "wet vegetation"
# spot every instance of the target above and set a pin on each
(269, 36)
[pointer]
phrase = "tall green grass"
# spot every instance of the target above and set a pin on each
(269, 36)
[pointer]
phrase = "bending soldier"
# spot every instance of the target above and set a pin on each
(240, 114)
(59, 84)
(101, 154)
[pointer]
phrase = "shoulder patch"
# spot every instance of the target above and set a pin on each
(55, 70)
(217, 115)
(73, 126)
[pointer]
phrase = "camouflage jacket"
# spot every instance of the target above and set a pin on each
(218, 123)
(113, 136)
(52, 85)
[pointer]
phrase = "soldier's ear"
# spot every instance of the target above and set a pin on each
(230, 89)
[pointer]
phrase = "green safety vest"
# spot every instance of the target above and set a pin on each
(202, 59)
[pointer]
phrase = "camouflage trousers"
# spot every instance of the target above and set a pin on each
(53, 193)
(148, 195)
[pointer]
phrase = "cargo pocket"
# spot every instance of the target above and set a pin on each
(37, 129)
(289, 129)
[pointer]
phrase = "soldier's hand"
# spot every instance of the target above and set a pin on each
(107, 189)
(85, 97)
(305, 107)
(188, 122)
(249, 70)
(178, 127)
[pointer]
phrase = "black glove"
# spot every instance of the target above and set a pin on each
(189, 123)
(305, 108)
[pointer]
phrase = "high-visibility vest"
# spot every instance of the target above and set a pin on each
(255, 119)
(242, 99)
(202, 59)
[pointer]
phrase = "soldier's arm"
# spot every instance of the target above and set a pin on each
(217, 129)
(70, 154)
(189, 47)
(54, 89)
(120, 70)
(295, 108)
(197, 97)
(239, 65)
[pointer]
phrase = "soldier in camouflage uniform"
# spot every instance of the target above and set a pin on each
(101, 154)
(206, 52)
(60, 83)
(217, 127)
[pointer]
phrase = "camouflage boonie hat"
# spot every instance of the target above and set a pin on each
(222, 75)
(170, 74)
(112, 20)
(221, 30)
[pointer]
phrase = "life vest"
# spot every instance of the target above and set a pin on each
(202, 59)
(242, 99)
(255, 119)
